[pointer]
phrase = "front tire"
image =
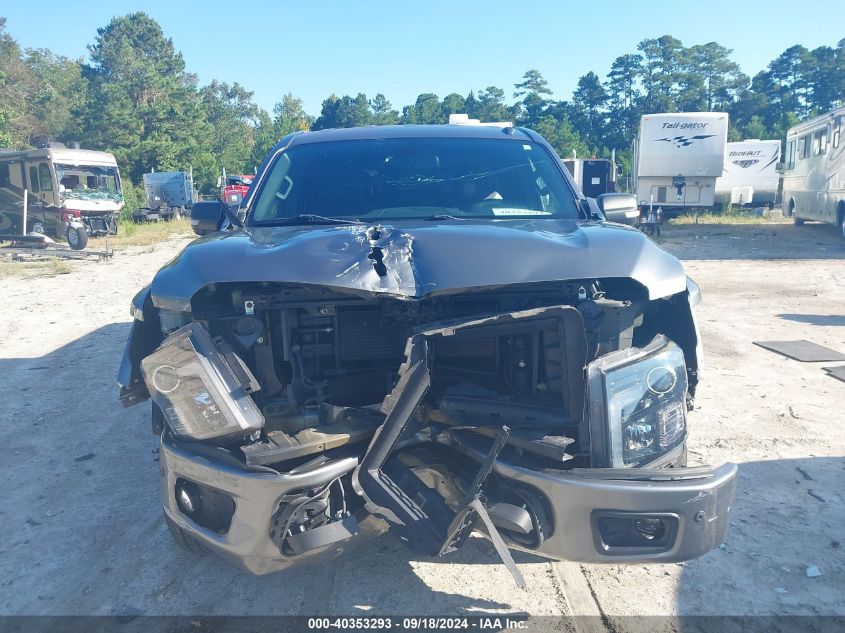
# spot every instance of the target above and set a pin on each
(77, 237)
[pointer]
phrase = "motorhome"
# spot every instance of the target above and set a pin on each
(677, 158)
(814, 170)
(595, 176)
(750, 176)
(61, 191)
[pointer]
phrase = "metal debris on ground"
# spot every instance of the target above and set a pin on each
(803, 351)
(836, 372)
(24, 253)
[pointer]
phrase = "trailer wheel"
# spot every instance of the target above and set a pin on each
(77, 237)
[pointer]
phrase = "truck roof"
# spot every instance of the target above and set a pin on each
(374, 132)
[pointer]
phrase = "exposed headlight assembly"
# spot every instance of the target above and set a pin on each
(638, 404)
(203, 393)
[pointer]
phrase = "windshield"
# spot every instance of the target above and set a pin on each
(83, 182)
(407, 178)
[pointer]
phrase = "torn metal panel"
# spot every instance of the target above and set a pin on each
(391, 490)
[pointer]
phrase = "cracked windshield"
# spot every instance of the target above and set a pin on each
(81, 182)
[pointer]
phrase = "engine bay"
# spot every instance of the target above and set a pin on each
(321, 359)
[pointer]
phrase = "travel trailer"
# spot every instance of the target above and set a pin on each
(814, 170)
(70, 192)
(677, 158)
(750, 176)
(595, 176)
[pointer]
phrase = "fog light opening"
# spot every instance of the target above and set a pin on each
(650, 529)
(188, 497)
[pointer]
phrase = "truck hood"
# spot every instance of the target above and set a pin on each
(413, 259)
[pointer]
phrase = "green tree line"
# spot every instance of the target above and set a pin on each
(135, 98)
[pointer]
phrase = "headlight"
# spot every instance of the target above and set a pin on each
(638, 404)
(201, 393)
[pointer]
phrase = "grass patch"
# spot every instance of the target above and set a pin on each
(725, 218)
(38, 267)
(146, 234)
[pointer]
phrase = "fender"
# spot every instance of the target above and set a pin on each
(144, 338)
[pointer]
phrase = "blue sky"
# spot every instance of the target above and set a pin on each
(404, 48)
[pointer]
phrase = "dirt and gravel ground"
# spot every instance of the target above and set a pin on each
(82, 530)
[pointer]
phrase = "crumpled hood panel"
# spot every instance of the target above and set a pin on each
(412, 259)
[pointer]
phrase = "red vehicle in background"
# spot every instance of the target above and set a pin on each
(235, 187)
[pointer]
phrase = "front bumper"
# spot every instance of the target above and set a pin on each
(247, 542)
(100, 223)
(696, 500)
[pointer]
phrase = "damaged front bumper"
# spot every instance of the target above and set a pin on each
(598, 514)
(245, 536)
(588, 510)
(245, 511)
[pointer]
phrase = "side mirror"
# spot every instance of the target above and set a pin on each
(207, 216)
(619, 207)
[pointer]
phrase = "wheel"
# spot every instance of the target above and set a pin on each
(182, 539)
(77, 237)
(791, 214)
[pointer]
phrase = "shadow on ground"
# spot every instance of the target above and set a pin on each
(815, 319)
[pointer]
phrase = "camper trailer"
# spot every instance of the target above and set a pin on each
(814, 170)
(750, 176)
(677, 158)
(70, 192)
(595, 176)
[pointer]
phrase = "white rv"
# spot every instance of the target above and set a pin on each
(70, 192)
(677, 158)
(814, 170)
(750, 175)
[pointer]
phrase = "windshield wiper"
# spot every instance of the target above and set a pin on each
(442, 216)
(310, 218)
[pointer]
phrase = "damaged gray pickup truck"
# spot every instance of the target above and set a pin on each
(428, 329)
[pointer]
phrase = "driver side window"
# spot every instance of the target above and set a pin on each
(45, 177)
(33, 179)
